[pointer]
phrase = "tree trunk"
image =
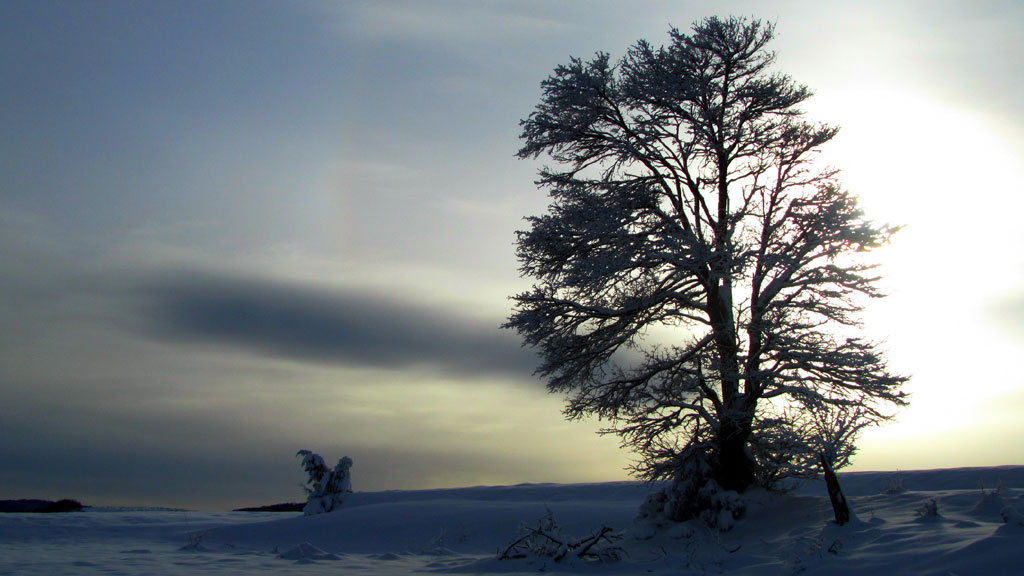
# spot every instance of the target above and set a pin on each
(736, 468)
(835, 493)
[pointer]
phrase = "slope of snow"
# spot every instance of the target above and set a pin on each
(461, 531)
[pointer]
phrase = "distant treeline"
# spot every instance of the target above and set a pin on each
(286, 507)
(43, 506)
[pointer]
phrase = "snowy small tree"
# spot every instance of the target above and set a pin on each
(794, 442)
(325, 488)
(699, 276)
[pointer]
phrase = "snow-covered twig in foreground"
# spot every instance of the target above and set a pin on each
(548, 540)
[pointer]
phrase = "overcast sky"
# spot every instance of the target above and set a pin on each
(233, 230)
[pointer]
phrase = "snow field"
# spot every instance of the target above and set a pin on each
(459, 531)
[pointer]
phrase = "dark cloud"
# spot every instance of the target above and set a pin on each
(345, 327)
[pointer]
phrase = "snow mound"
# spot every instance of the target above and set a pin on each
(307, 551)
(990, 505)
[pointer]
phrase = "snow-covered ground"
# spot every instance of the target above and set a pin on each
(461, 530)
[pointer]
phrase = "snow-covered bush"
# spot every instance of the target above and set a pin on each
(991, 502)
(437, 546)
(725, 506)
(195, 543)
(691, 494)
(1012, 516)
(548, 540)
(999, 489)
(325, 489)
(929, 509)
(678, 501)
(896, 484)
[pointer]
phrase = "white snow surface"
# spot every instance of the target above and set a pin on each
(460, 531)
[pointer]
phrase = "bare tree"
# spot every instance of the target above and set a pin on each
(697, 274)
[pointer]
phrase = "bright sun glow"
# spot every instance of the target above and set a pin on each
(945, 176)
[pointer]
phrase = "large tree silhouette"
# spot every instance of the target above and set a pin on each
(698, 276)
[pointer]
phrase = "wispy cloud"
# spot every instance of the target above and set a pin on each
(454, 23)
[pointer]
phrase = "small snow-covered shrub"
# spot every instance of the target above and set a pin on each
(195, 543)
(681, 499)
(896, 484)
(999, 489)
(437, 546)
(928, 509)
(548, 540)
(651, 516)
(726, 507)
(1012, 516)
(326, 489)
(689, 496)
(991, 502)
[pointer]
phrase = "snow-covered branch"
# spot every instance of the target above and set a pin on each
(548, 540)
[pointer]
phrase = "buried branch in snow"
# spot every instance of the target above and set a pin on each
(548, 540)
